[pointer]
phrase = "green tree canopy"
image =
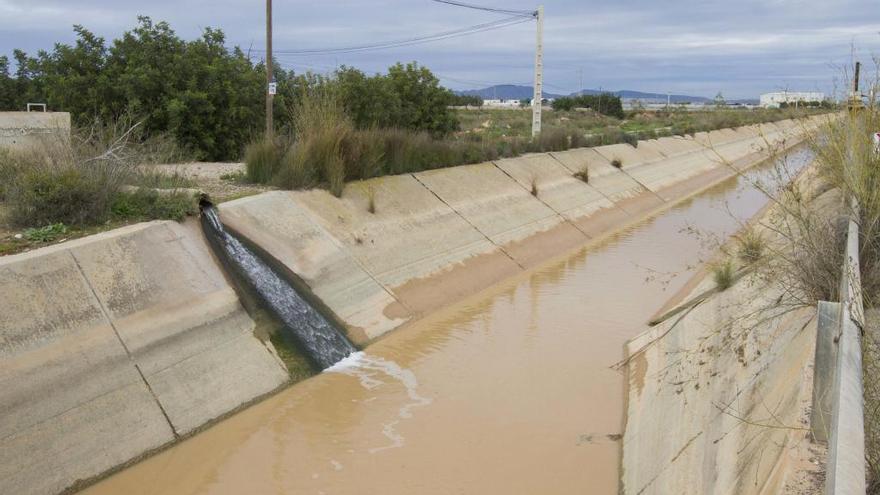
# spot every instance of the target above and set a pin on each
(208, 97)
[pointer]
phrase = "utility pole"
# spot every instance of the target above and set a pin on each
(270, 88)
(539, 72)
(855, 98)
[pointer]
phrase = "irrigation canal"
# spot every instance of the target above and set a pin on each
(511, 391)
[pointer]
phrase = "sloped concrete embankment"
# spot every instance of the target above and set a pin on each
(114, 345)
(717, 395)
(719, 391)
(438, 236)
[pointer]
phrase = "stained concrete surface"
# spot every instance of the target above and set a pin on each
(111, 346)
(20, 130)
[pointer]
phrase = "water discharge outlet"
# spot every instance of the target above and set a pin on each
(323, 342)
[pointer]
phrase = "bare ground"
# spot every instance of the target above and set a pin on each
(220, 181)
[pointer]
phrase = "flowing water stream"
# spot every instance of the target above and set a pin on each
(509, 392)
(322, 341)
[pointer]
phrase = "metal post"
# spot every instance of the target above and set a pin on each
(269, 71)
(539, 72)
(823, 370)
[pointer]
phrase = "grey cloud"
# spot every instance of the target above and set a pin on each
(702, 47)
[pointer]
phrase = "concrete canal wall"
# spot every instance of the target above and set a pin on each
(734, 370)
(440, 235)
(733, 373)
(114, 345)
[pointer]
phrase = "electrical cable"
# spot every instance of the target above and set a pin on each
(478, 28)
(520, 13)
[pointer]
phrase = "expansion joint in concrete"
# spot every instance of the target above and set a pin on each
(624, 172)
(131, 359)
(558, 214)
(501, 248)
(342, 247)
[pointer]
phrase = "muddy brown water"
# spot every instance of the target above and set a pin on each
(510, 391)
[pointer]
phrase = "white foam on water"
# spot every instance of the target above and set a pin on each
(369, 370)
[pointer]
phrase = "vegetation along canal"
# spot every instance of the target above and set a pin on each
(511, 391)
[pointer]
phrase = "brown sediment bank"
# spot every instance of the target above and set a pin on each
(508, 391)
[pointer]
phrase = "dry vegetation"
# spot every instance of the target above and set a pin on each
(324, 147)
(94, 180)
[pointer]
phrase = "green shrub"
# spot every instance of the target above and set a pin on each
(583, 175)
(616, 162)
(149, 204)
(46, 234)
(41, 196)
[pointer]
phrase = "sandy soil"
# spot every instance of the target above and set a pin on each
(221, 181)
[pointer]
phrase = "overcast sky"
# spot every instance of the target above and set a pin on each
(699, 47)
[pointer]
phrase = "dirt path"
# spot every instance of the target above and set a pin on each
(221, 181)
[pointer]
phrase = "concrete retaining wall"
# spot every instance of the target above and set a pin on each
(713, 392)
(440, 235)
(114, 345)
(23, 129)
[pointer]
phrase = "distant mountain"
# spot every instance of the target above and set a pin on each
(515, 92)
(627, 94)
(505, 92)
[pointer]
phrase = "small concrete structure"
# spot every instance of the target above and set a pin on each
(20, 130)
(114, 345)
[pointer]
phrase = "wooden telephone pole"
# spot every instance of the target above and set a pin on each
(270, 89)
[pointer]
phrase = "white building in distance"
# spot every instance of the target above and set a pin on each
(774, 100)
(501, 103)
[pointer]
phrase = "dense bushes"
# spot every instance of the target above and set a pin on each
(467, 100)
(207, 97)
(84, 182)
(604, 103)
(407, 97)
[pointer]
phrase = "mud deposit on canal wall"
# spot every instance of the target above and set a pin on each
(117, 344)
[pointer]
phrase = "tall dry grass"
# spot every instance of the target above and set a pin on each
(78, 180)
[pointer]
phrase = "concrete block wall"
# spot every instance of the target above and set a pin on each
(114, 345)
(417, 251)
(19, 130)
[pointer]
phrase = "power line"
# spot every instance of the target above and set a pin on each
(520, 13)
(478, 28)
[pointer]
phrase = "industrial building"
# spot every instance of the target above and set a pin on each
(774, 100)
